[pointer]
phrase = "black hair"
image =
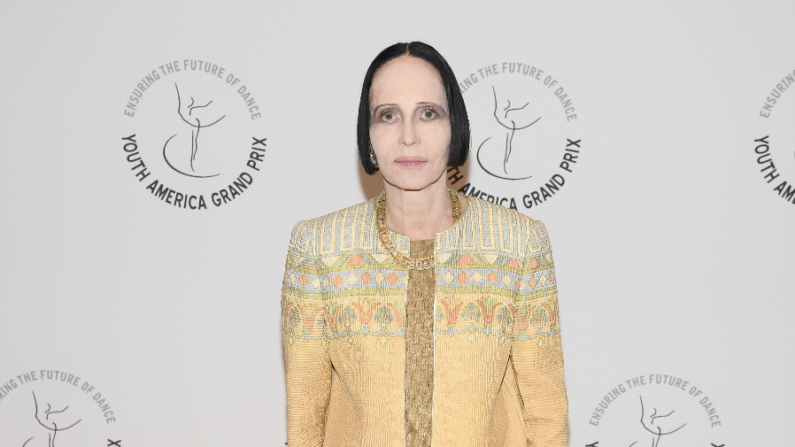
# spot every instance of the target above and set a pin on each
(457, 112)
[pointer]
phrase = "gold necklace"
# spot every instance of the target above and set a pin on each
(401, 259)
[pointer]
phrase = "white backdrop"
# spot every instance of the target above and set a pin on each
(674, 251)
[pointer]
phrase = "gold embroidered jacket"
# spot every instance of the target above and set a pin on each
(498, 363)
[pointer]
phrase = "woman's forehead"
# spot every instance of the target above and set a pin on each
(407, 79)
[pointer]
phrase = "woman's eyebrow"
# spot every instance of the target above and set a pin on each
(382, 105)
(428, 104)
(418, 104)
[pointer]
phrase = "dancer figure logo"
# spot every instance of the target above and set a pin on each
(49, 408)
(201, 156)
(51, 419)
(193, 118)
(657, 424)
(672, 412)
(525, 138)
(518, 120)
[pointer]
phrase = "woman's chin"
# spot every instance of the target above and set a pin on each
(414, 183)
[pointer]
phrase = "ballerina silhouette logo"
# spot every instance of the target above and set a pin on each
(528, 154)
(198, 117)
(53, 420)
(657, 424)
(203, 154)
(511, 117)
(673, 412)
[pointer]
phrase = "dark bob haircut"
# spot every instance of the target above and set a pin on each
(459, 122)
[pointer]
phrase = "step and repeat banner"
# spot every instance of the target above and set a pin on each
(156, 155)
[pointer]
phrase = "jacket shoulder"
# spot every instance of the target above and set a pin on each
(339, 231)
(517, 231)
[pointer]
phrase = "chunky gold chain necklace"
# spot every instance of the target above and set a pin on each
(401, 259)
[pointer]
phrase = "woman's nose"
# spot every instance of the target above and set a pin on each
(408, 133)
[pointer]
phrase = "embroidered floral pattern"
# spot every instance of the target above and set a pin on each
(384, 315)
(292, 319)
(484, 314)
(347, 316)
(471, 312)
(504, 316)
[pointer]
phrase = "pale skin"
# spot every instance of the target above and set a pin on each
(410, 134)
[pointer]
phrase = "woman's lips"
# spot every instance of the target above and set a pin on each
(410, 162)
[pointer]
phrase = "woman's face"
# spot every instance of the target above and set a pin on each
(409, 123)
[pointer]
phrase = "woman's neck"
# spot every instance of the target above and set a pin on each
(422, 214)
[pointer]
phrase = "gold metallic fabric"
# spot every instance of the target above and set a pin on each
(419, 349)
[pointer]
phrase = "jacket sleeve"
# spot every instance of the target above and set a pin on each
(306, 358)
(536, 351)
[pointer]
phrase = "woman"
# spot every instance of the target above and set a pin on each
(421, 316)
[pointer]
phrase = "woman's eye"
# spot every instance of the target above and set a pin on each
(388, 116)
(429, 114)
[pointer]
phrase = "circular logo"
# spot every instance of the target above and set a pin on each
(774, 142)
(657, 410)
(525, 144)
(50, 408)
(195, 140)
